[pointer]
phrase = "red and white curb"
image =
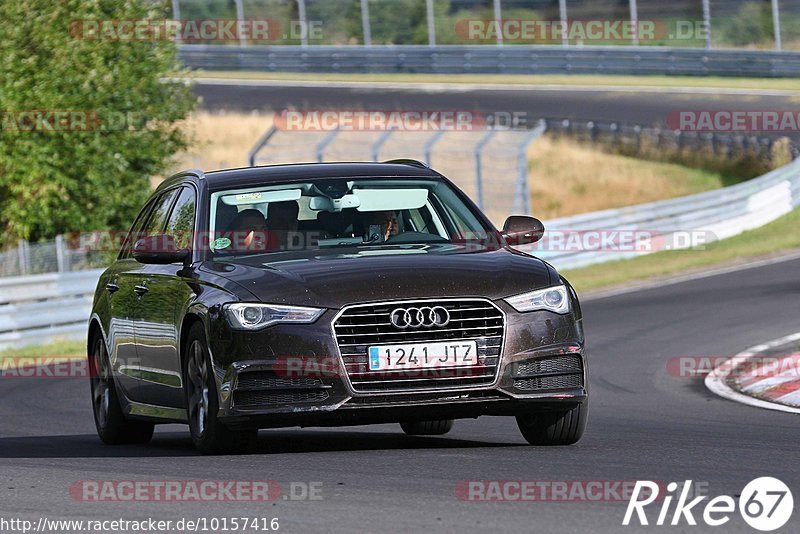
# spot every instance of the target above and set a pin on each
(773, 388)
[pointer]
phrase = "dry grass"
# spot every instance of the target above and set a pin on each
(567, 178)
(222, 140)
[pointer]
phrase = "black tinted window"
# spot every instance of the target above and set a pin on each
(158, 217)
(136, 230)
(181, 221)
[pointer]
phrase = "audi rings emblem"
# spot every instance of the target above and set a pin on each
(425, 317)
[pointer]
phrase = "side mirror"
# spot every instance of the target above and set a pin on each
(522, 230)
(159, 250)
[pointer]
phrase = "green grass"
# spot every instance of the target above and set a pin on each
(780, 84)
(779, 236)
(60, 349)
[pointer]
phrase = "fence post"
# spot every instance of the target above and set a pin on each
(498, 16)
(478, 171)
(301, 12)
(707, 21)
(324, 144)
(377, 145)
(523, 185)
(240, 23)
(431, 23)
(176, 15)
(261, 143)
(634, 22)
(365, 23)
(60, 253)
(776, 24)
(429, 146)
(24, 260)
(562, 12)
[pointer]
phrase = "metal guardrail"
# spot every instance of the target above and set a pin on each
(716, 214)
(481, 59)
(46, 307)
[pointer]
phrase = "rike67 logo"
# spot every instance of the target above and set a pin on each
(765, 504)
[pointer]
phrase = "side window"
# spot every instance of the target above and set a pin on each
(180, 224)
(158, 217)
(136, 230)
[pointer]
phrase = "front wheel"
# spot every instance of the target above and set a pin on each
(209, 435)
(112, 426)
(562, 427)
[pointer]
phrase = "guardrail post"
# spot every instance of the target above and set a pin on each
(707, 21)
(478, 171)
(562, 13)
(240, 22)
(324, 144)
(261, 143)
(429, 146)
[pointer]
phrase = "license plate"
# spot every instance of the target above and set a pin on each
(423, 355)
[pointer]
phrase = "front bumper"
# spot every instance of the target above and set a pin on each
(292, 375)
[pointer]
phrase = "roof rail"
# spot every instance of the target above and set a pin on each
(412, 162)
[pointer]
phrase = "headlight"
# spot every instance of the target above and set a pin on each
(245, 316)
(554, 299)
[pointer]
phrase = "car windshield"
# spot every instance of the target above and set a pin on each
(330, 214)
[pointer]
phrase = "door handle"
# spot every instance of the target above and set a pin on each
(140, 289)
(112, 287)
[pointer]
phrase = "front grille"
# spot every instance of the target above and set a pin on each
(261, 398)
(361, 326)
(552, 372)
(570, 363)
(549, 382)
(259, 389)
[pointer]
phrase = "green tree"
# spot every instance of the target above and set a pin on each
(66, 180)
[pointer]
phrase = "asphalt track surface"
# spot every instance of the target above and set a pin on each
(598, 104)
(644, 424)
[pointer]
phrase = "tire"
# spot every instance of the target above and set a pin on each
(427, 428)
(209, 435)
(564, 427)
(112, 426)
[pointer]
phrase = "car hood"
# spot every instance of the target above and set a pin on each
(334, 279)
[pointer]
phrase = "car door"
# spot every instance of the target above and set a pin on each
(161, 311)
(122, 301)
(138, 288)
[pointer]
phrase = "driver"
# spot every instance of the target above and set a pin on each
(379, 226)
